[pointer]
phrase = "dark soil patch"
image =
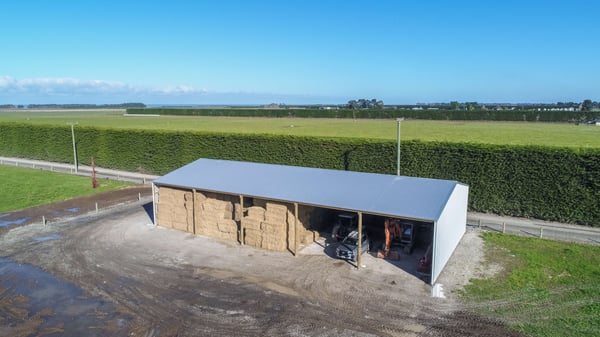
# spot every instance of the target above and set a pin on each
(72, 207)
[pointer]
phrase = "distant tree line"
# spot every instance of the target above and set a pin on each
(586, 105)
(556, 115)
(365, 104)
(74, 106)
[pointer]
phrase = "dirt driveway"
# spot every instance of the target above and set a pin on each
(113, 274)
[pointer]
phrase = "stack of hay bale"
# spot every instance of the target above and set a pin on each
(214, 217)
(274, 227)
(305, 235)
(270, 225)
(267, 225)
(252, 226)
(175, 209)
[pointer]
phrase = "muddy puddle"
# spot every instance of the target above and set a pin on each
(34, 302)
(46, 237)
(12, 222)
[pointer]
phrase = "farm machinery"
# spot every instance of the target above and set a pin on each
(398, 233)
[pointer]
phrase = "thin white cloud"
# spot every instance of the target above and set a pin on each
(61, 90)
(78, 87)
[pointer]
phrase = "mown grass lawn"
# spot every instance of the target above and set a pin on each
(547, 288)
(505, 133)
(23, 187)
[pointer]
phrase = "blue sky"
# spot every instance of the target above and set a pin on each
(294, 52)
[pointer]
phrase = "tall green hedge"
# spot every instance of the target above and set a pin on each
(548, 183)
(441, 114)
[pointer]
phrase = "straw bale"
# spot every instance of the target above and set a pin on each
(200, 197)
(269, 217)
(276, 208)
(164, 217)
(171, 193)
(162, 208)
(200, 226)
(272, 228)
(227, 226)
(251, 223)
(179, 217)
(200, 212)
(304, 236)
(290, 217)
(168, 199)
(164, 221)
(201, 231)
(167, 191)
(212, 215)
(207, 195)
(206, 222)
(307, 237)
(219, 214)
(253, 237)
(249, 232)
(256, 212)
(218, 204)
(182, 226)
(275, 244)
(216, 234)
(175, 204)
(166, 203)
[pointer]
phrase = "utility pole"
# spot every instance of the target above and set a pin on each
(398, 120)
(74, 148)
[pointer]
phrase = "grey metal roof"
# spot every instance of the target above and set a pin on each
(409, 197)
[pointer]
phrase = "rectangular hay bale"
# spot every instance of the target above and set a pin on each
(251, 223)
(253, 237)
(272, 228)
(227, 226)
(276, 208)
(269, 217)
(256, 212)
(275, 244)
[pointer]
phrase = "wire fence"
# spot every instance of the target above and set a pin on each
(578, 234)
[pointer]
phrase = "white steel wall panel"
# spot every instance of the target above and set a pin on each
(449, 229)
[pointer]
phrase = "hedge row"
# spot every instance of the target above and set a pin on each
(547, 183)
(487, 115)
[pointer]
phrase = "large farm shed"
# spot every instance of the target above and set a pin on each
(282, 208)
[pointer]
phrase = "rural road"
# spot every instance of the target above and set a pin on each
(535, 228)
(484, 221)
(82, 170)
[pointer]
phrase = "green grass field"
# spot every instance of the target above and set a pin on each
(547, 288)
(22, 187)
(513, 133)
